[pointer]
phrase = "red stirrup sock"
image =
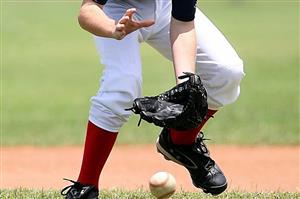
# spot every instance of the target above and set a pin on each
(98, 145)
(188, 137)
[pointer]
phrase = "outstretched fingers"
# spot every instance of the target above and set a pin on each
(127, 25)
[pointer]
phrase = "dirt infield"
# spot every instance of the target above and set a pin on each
(247, 168)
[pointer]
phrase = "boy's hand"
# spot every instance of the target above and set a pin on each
(126, 24)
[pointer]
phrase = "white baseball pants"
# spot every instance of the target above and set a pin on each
(218, 65)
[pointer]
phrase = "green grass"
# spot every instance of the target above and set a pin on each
(142, 194)
(50, 70)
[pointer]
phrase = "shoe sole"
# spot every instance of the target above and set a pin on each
(216, 190)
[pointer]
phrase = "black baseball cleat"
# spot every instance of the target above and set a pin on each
(204, 172)
(80, 191)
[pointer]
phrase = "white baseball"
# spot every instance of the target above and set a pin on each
(162, 185)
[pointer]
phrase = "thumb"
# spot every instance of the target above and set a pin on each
(147, 23)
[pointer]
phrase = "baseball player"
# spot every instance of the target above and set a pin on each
(182, 34)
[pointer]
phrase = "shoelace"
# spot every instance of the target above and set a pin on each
(67, 189)
(203, 149)
(200, 143)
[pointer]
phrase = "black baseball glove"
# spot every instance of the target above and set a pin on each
(183, 107)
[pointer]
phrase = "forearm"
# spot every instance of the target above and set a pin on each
(92, 19)
(183, 43)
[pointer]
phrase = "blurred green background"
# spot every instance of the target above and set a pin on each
(50, 70)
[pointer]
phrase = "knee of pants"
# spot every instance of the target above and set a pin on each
(224, 87)
(115, 95)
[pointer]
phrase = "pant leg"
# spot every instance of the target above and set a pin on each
(217, 63)
(121, 79)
